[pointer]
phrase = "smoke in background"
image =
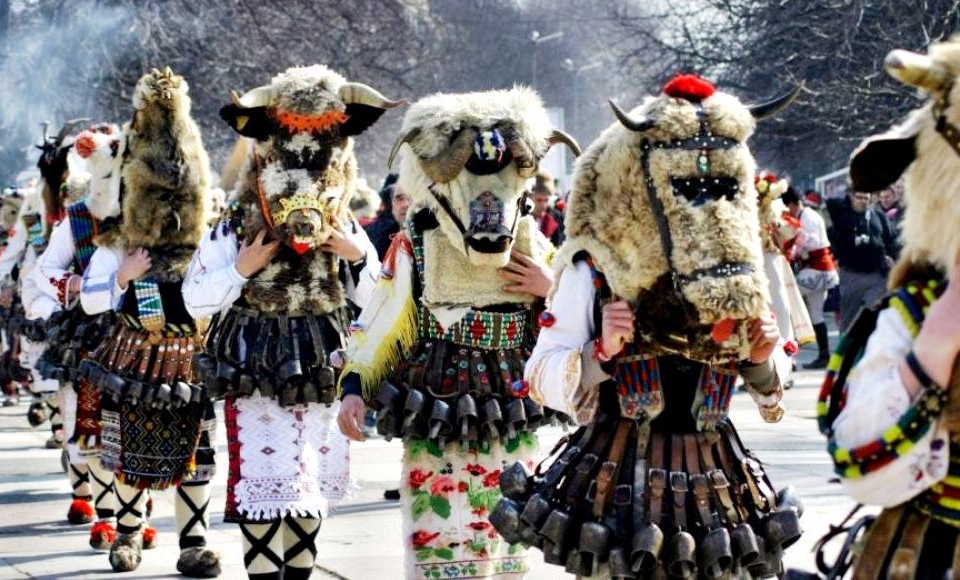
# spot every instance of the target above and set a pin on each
(55, 63)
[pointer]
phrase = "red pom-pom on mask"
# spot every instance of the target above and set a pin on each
(689, 87)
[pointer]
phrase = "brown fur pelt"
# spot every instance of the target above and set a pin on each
(609, 216)
(166, 175)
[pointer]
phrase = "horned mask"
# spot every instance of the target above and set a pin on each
(468, 158)
(303, 163)
(926, 145)
(664, 203)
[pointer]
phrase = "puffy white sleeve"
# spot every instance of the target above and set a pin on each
(563, 372)
(13, 253)
(876, 400)
(36, 304)
(99, 291)
(51, 274)
(360, 286)
(212, 282)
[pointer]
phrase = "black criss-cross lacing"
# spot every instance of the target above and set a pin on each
(128, 508)
(261, 545)
(81, 478)
(305, 540)
(196, 517)
(105, 489)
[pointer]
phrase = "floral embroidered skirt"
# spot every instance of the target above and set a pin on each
(446, 496)
(283, 460)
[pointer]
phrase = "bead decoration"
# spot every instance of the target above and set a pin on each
(547, 319)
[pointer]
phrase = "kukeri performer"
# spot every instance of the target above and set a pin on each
(12, 375)
(889, 401)
(74, 334)
(285, 271)
(646, 338)
(157, 424)
(439, 350)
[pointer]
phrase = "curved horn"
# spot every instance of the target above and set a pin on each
(447, 164)
(523, 156)
(410, 136)
(915, 70)
(258, 97)
(641, 124)
(762, 111)
(558, 136)
(43, 138)
(68, 127)
(361, 94)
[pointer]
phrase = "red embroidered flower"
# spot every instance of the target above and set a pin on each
(462, 487)
(477, 329)
(475, 469)
(479, 526)
(492, 479)
(442, 486)
(418, 477)
(480, 512)
(422, 538)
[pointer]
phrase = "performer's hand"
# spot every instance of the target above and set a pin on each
(341, 243)
(134, 265)
(527, 275)
(764, 336)
(254, 256)
(618, 321)
(350, 419)
(938, 343)
(75, 283)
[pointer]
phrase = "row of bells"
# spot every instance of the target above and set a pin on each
(413, 413)
(290, 385)
(582, 546)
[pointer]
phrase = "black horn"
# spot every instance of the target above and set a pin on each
(641, 124)
(762, 111)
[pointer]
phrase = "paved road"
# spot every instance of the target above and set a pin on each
(362, 540)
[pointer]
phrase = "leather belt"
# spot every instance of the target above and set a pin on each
(658, 478)
(610, 467)
(739, 487)
(698, 481)
(718, 481)
(640, 475)
(579, 484)
(903, 563)
(761, 491)
(877, 544)
(678, 482)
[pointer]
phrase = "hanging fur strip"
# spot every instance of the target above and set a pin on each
(393, 300)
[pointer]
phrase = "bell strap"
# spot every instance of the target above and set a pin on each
(610, 468)
(698, 481)
(149, 304)
(903, 563)
(763, 496)
(718, 480)
(657, 477)
(640, 475)
(877, 544)
(678, 482)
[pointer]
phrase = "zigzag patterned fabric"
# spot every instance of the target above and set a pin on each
(83, 228)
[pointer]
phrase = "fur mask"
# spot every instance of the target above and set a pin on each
(102, 146)
(166, 176)
(468, 157)
(926, 146)
(664, 202)
(301, 175)
(54, 168)
(10, 203)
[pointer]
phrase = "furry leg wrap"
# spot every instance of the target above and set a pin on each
(263, 549)
(300, 543)
(131, 503)
(104, 497)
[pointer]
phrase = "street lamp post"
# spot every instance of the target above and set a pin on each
(575, 70)
(537, 39)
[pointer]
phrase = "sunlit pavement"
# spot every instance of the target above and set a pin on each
(361, 540)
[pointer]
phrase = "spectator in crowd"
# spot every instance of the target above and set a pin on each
(549, 219)
(864, 245)
(393, 213)
(817, 272)
(888, 202)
